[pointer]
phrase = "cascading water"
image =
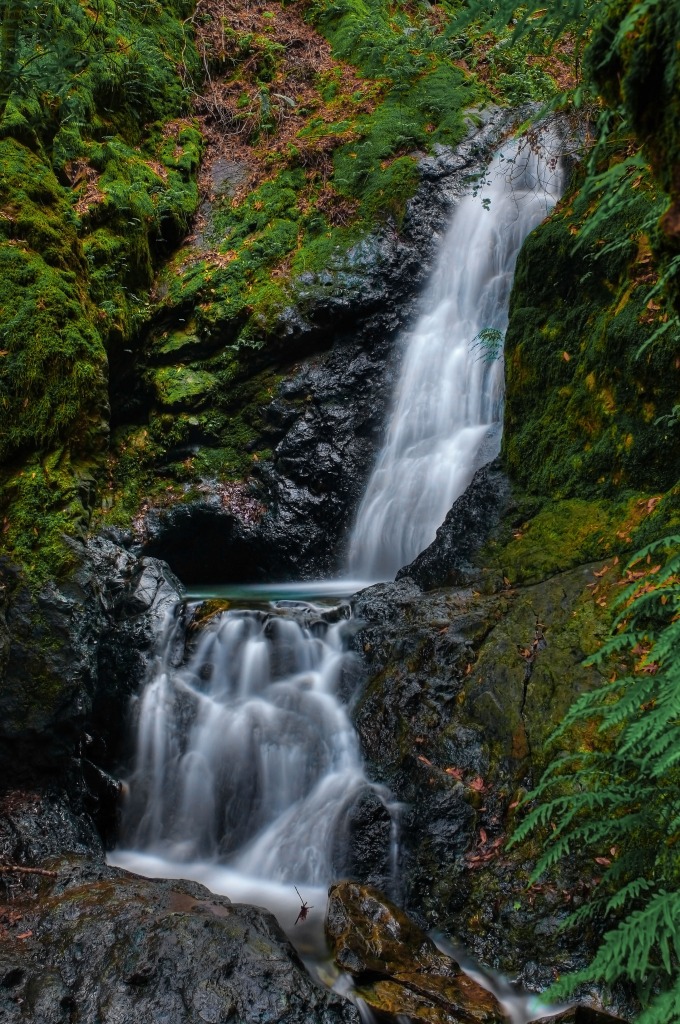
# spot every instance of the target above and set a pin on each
(447, 413)
(246, 765)
(244, 753)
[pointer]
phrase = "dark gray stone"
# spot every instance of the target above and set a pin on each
(73, 654)
(450, 558)
(102, 946)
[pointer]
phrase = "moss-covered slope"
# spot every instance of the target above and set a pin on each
(585, 408)
(311, 116)
(98, 174)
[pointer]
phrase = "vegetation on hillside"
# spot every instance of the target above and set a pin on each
(614, 795)
(99, 163)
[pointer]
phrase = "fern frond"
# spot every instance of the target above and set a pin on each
(664, 1009)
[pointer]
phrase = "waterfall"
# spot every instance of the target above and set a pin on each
(447, 413)
(246, 767)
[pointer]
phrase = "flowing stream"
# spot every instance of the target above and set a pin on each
(246, 766)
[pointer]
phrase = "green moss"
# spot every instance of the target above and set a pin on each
(164, 461)
(581, 406)
(562, 534)
(98, 177)
(182, 386)
(45, 501)
(52, 366)
(642, 74)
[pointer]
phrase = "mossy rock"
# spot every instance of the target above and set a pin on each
(583, 400)
(177, 386)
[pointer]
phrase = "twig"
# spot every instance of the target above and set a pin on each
(27, 871)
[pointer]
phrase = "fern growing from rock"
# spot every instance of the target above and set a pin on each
(620, 799)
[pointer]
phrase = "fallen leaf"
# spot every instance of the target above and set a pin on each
(478, 784)
(456, 773)
(482, 836)
(566, 357)
(25, 935)
(602, 571)
(424, 760)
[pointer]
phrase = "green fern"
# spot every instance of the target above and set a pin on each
(488, 344)
(621, 802)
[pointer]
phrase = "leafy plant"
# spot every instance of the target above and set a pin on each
(619, 798)
(488, 344)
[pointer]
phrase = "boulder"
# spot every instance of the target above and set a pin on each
(396, 968)
(102, 946)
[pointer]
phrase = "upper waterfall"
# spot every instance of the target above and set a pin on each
(447, 412)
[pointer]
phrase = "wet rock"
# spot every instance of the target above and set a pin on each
(366, 853)
(450, 718)
(581, 1015)
(397, 969)
(74, 654)
(38, 825)
(450, 558)
(101, 945)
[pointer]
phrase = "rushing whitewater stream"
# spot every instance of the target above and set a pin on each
(246, 765)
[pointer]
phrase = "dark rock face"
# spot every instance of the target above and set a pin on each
(327, 420)
(38, 825)
(100, 946)
(399, 969)
(74, 653)
(449, 560)
(367, 847)
(454, 719)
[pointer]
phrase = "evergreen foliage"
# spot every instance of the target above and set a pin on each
(488, 344)
(618, 798)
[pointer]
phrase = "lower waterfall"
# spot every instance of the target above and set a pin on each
(246, 766)
(244, 753)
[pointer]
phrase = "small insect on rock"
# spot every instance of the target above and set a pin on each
(304, 909)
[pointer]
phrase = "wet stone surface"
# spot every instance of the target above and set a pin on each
(101, 946)
(397, 969)
(453, 712)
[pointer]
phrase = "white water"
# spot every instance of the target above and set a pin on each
(447, 412)
(246, 763)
